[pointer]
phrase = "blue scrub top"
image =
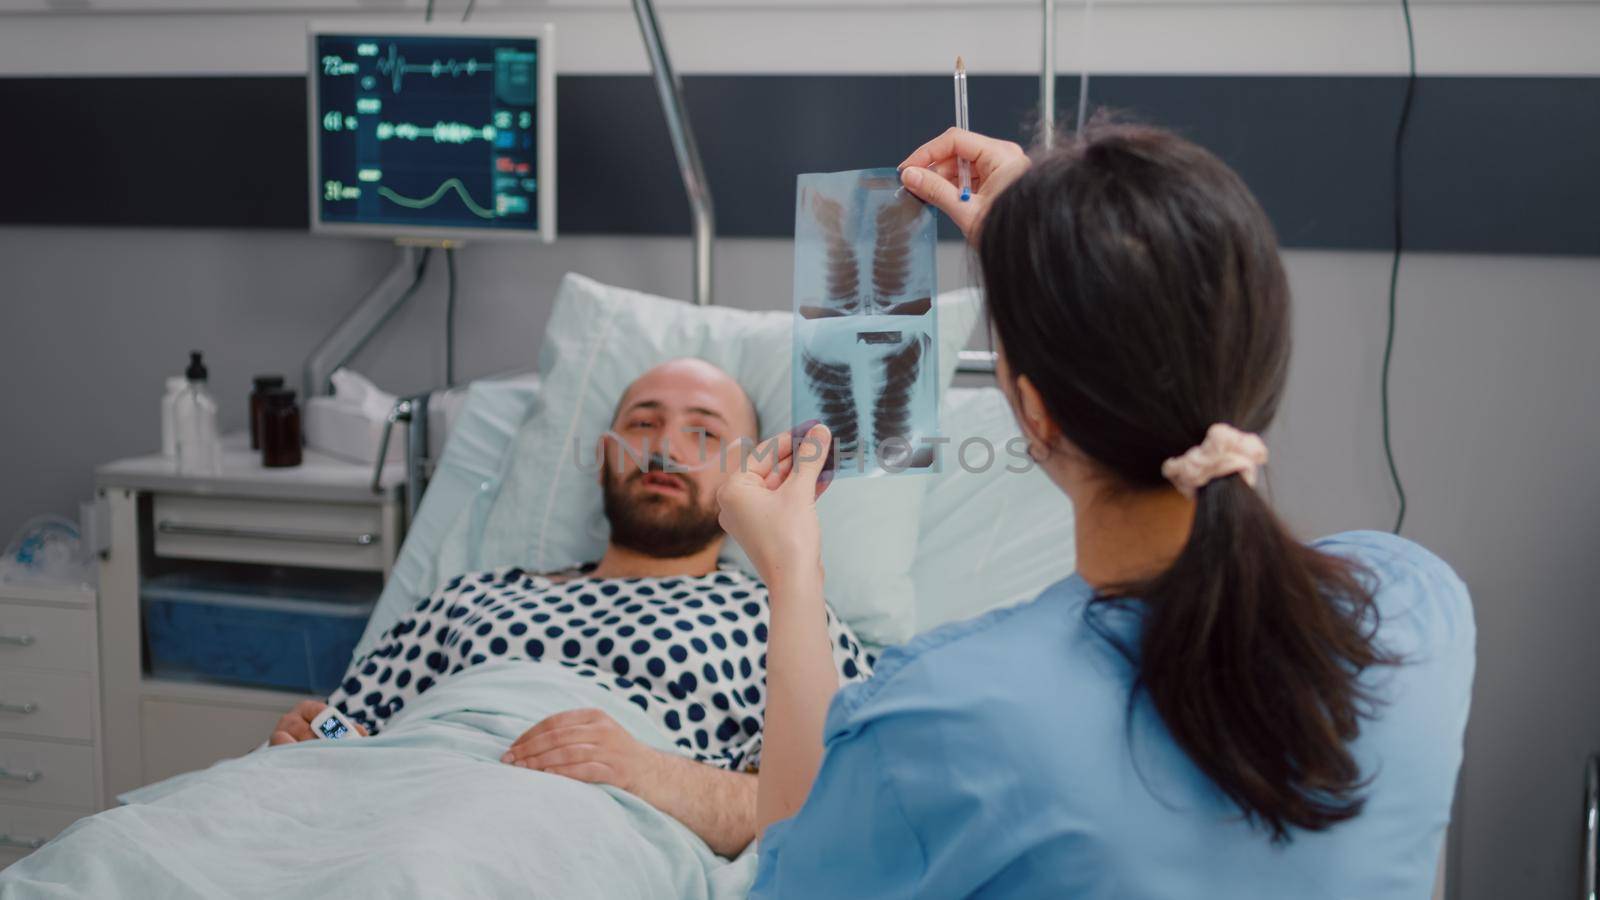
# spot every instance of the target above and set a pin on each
(995, 757)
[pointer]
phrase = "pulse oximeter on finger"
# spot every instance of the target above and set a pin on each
(330, 724)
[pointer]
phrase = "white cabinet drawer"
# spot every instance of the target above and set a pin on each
(22, 828)
(325, 535)
(37, 772)
(46, 637)
(44, 704)
(183, 737)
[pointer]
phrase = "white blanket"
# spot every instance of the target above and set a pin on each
(424, 810)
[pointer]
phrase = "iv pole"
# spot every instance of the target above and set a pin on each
(1047, 78)
(670, 90)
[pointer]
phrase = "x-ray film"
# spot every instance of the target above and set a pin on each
(866, 337)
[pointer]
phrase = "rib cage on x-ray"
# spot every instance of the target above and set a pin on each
(893, 228)
(864, 346)
(833, 385)
(898, 378)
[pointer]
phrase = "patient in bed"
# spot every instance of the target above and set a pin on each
(655, 620)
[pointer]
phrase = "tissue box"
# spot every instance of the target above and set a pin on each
(340, 428)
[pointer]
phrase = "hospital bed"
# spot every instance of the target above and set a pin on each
(427, 809)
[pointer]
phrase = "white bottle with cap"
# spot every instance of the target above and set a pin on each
(195, 424)
(169, 413)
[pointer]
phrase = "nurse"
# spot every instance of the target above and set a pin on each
(1209, 707)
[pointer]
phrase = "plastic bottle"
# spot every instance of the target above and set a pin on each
(195, 422)
(169, 426)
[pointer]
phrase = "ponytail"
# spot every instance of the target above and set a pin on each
(1250, 651)
(1136, 283)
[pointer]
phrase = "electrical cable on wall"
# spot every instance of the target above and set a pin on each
(1394, 266)
(467, 13)
(427, 14)
(450, 317)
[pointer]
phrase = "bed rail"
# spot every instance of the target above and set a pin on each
(1591, 829)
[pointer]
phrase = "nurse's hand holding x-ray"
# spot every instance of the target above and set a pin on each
(931, 173)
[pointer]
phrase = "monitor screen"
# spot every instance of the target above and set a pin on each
(432, 131)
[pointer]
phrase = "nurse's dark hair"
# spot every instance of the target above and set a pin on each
(1134, 280)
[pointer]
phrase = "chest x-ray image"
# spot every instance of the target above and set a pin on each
(865, 340)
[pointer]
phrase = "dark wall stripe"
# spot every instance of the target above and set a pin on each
(201, 152)
(1495, 165)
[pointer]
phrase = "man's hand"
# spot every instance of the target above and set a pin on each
(587, 745)
(295, 726)
(770, 507)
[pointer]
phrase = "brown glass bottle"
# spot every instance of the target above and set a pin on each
(258, 396)
(280, 429)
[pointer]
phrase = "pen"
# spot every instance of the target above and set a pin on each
(961, 123)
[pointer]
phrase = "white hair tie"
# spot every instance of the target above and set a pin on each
(1225, 451)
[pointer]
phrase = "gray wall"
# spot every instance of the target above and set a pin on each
(1496, 434)
(1495, 430)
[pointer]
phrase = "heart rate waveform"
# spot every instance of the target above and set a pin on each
(438, 194)
(395, 67)
(438, 132)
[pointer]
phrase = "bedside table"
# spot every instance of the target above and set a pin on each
(322, 519)
(50, 748)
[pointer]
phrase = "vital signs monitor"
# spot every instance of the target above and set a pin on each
(432, 131)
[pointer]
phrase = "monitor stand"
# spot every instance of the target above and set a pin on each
(369, 315)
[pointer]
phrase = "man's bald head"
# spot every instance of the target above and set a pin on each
(697, 387)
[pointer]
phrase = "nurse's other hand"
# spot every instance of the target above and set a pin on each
(770, 505)
(932, 173)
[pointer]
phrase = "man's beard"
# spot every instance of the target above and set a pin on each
(657, 525)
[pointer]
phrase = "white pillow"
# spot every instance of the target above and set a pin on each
(444, 539)
(548, 513)
(989, 537)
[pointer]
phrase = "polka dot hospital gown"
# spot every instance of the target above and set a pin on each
(691, 652)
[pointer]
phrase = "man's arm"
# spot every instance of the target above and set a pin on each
(801, 682)
(718, 805)
(588, 745)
